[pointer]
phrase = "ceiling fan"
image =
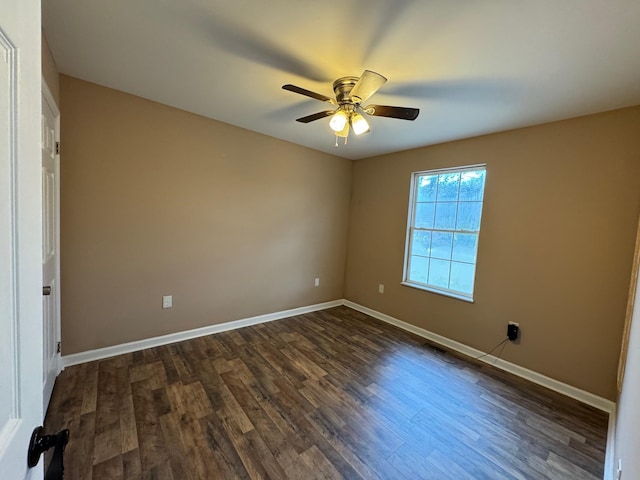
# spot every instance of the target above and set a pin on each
(351, 92)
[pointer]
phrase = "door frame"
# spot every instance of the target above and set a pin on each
(633, 287)
(48, 97)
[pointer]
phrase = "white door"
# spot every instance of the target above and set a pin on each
(50, 241)
(21, 346)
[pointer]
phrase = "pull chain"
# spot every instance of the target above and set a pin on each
(345, 141)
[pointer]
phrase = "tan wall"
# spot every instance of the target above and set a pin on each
(157, 201)
(555, 250)
(50, 70)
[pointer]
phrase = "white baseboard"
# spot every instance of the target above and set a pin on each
(106, 352)
(568, 390)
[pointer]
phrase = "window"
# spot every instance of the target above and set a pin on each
(443, 230)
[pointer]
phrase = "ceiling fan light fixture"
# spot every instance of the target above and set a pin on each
(359, 124)
(338, 121)
(344, 133)
(350, 93)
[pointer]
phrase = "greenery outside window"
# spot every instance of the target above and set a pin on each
(443, 230)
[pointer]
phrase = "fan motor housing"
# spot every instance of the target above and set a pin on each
(342, 88)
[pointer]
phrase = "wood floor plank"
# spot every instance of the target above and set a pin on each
(332, 394)
(131, 467)
(150, 439)
(129, 434)
(90, 392)
(201, 458)
(331, 434)
(81, 451)
(319, 466)
(243, 444)
(111, 468)
(180, 454)
(222, 448)
(107, 444)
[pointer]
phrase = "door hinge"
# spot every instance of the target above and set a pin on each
(58, 348)
(57, 148)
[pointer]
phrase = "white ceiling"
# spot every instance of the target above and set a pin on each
(471, 66)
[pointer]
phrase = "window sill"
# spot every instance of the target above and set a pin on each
(444, 293)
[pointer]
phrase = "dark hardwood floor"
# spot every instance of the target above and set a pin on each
(327, 395)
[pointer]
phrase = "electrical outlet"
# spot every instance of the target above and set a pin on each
(167, 301)
(381, 288)
(316, 282)
(513, 331)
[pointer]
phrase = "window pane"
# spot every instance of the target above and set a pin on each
(418, 269)
(468, 216)
(427, 188)
(424, 215)
(472, 185)
(446, 215)
(448, 185)
(444, 226)
(465, 246)
(441, 245)
(461, 277)
(439, 273)
(420, 243)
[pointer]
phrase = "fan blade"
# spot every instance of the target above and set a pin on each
(308, 93)
(242, 41)
(367, 85)
(404, 113)
(315, 116)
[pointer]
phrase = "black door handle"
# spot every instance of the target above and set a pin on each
(41, 443)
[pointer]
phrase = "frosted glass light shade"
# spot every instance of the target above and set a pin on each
(338, 121)
(359, 124)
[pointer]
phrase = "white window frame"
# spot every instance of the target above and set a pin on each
(410, 229)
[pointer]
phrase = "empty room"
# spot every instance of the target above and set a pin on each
(320, 240)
